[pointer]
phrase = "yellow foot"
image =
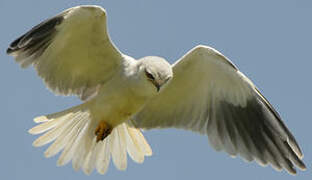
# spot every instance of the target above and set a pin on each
(102, 131)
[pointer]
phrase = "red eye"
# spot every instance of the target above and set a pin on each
(149, 75)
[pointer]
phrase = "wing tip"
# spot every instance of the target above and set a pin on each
(30, 42)
(294, 146)
(14, 45)
(303, 167)
(9, 51)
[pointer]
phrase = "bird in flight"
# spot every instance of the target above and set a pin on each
(203, 92)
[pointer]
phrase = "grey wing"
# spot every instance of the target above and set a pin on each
(209, 95)
(72, 51)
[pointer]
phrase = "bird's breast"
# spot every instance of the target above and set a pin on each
(116, 105)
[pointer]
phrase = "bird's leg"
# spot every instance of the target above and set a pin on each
(102, 131)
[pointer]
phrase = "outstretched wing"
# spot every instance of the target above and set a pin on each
(209, 95)
(72, 51)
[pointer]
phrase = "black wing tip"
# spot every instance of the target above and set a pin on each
(291, 160)
(291, 141)
(293, 171)
(9, 50)
(14, 45)
(36, 36)
(302, 166)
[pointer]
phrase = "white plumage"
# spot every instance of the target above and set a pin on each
(202, 92)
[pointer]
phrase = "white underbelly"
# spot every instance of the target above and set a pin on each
(115, 108)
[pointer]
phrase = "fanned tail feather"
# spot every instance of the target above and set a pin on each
(71, 132)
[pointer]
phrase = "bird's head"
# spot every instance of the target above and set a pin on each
(155, 71)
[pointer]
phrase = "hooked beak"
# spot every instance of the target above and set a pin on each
(157, 85)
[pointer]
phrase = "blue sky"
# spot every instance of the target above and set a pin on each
(269, 41)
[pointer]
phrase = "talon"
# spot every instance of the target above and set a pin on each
(102, 131)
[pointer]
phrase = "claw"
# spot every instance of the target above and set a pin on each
(102, 131)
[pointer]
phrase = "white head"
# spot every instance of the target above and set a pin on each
(155, 72)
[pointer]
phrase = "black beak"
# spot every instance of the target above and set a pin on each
(157, 86)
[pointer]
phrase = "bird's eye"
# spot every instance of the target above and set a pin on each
(149, 75)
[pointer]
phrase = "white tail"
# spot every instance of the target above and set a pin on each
(72, 133)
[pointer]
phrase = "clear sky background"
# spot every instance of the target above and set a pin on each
(269, 41)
